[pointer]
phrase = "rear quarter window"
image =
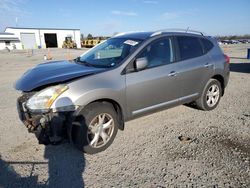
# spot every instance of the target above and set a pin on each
(189, 47)
(207, 45)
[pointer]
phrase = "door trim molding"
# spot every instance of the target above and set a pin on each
(136, 112)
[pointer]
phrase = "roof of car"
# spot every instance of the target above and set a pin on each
(135, 35)
(144, 35)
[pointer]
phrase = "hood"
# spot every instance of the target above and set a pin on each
(53, 72)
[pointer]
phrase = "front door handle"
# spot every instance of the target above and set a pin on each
(172, 73)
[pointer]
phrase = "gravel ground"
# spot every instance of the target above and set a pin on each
(148, 153)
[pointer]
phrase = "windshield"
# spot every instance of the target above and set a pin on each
(109, 53)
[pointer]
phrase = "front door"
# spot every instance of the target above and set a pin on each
(157, 85)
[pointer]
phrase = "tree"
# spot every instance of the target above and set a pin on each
(89, 36)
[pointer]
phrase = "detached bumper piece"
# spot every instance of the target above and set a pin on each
(49, 127)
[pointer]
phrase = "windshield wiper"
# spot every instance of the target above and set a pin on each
(78, 59)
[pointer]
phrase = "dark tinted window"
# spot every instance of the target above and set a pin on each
(158, 52)
(207, 45)
(189, 47)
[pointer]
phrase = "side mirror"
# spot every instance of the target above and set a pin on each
(141, 63)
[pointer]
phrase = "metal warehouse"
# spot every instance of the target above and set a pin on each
(32, 38)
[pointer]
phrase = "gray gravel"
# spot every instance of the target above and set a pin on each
(147, 154)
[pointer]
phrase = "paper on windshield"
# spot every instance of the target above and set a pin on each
(131, 42)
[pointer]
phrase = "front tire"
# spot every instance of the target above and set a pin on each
(95, 128)
(211, 95)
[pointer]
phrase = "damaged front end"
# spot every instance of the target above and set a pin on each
(50, 126)
(46, 105)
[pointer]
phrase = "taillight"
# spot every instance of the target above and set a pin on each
(227, 58)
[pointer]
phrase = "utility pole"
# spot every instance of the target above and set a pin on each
(16, 21)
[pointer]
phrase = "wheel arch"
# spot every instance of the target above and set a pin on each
(221, 80)
(118, 109)
(115, 104)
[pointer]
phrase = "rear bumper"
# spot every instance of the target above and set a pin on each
(49, 127)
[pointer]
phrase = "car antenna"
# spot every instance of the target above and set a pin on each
(187, 29)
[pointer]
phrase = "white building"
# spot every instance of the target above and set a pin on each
(32, 38)
(10, 41)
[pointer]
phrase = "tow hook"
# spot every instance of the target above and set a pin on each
(43, 121)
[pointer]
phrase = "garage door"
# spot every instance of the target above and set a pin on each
(28, 40)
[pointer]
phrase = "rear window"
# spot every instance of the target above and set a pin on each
(207, 45)
(189, 47)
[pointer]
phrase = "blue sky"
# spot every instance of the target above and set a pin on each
(104, 17)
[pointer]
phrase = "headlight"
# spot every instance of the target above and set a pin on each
(45, 98)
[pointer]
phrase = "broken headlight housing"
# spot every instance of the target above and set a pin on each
(43, 100)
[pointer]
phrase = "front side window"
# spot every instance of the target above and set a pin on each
(109, 53)
(158, 53)
(189, 47)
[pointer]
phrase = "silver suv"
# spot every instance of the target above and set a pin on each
(88, 99)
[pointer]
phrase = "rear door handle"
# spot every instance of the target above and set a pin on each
(172, 73)
(208, 65)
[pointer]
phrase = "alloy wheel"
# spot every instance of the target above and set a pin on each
(100, 130)
(213, 95)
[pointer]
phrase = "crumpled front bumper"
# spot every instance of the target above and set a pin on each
(49, 127)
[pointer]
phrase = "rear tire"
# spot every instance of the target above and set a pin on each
(95, 128)
(211, 95)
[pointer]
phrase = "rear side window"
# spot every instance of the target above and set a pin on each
(207, 45)
(189, 47)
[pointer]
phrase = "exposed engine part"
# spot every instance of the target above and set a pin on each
(49, 128)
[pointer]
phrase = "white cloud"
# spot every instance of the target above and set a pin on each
(124, 13)
(9, 11)
(177, 14)
(11, 7)
(150, 2)
(170, 15)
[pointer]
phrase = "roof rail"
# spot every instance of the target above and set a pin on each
(177, 30)
(124, 33)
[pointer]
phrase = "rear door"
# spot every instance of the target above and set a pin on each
(156, 86)
(194, 67)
